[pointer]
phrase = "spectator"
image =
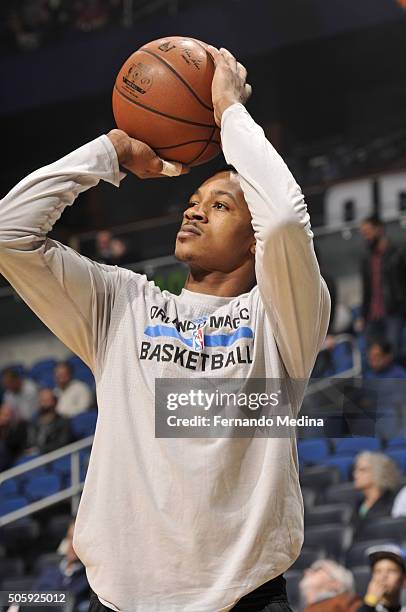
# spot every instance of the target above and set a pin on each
(388, 563)
(68, 575)
(13, 436)
(20, 393)
(399, 505)
(49, 430)
(328, 587)
(377, 476)
(381, 362)
(109, 250)
(384, 285)
(74, 396)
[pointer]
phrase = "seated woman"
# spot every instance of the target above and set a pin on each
(378, 477)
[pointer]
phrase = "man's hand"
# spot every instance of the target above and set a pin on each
(140, 159)
(375, 592)
(229, 82)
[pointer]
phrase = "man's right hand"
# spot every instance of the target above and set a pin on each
(140, 159)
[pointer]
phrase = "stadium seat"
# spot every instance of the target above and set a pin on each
(334, 539)
(385, 527)
(46, 560)
(293, 577)
(42, 486)
(356, 555)
(342, 357)
(43, 372)
(343, 493)
(12, 503)
(399, 456)
(343, 464)
(39, 471)
(18, 584)
(19, 536)
(313, 452)
(306, 558)
(11, 567)
(362, 577)
(331, 513)
(61, 466)
(319, 477)
(353, 446)
(396, 443)
(57, 527)
(84, 424)
(309, 497)
(81, 371)
(9, 487)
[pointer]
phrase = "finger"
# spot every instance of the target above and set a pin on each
(229, 57)
(242, 71)
(170, 168)
(247, 91)
(214, 52)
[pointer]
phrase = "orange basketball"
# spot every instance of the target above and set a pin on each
(162, 96)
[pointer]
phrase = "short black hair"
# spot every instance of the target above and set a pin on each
(384, 345)
(227, 168)
(374, 220)
(11, 373)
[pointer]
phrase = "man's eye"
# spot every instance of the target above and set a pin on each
(190, 204)
(220, 206)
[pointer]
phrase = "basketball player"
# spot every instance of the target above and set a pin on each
(190, 524)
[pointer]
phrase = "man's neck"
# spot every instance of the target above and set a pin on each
(219, 283)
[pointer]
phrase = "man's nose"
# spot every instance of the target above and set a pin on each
(197, 213)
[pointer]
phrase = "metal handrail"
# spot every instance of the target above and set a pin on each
(70, 492)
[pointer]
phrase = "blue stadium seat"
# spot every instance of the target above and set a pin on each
(399, 456)
(61, 466)
(39, 471)
(81, 371)
(42, 486)
(396, 443)
(342, 357)
(9, 487)
(43, 372)
(11, 504)
(84, 424)
(353, 446)
(312, 452)
(343, 464)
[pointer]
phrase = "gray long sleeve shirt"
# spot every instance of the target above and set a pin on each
(176, 524)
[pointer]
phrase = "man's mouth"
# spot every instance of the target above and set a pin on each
(187, 230)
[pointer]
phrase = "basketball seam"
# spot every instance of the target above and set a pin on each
(172, 69)
(181, 144)
(204, 148)
(157, 112)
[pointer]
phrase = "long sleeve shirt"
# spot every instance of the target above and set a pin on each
(177, 524)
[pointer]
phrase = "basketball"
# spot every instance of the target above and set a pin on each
(162, 96)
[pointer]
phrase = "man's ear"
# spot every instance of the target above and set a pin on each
(253, 248)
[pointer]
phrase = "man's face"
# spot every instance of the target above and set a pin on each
(316, 581)
(62, 376)
(11, 383)
(377, 359)
(216, 232)
(371, 233)
(390, 575)
(47, 400)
